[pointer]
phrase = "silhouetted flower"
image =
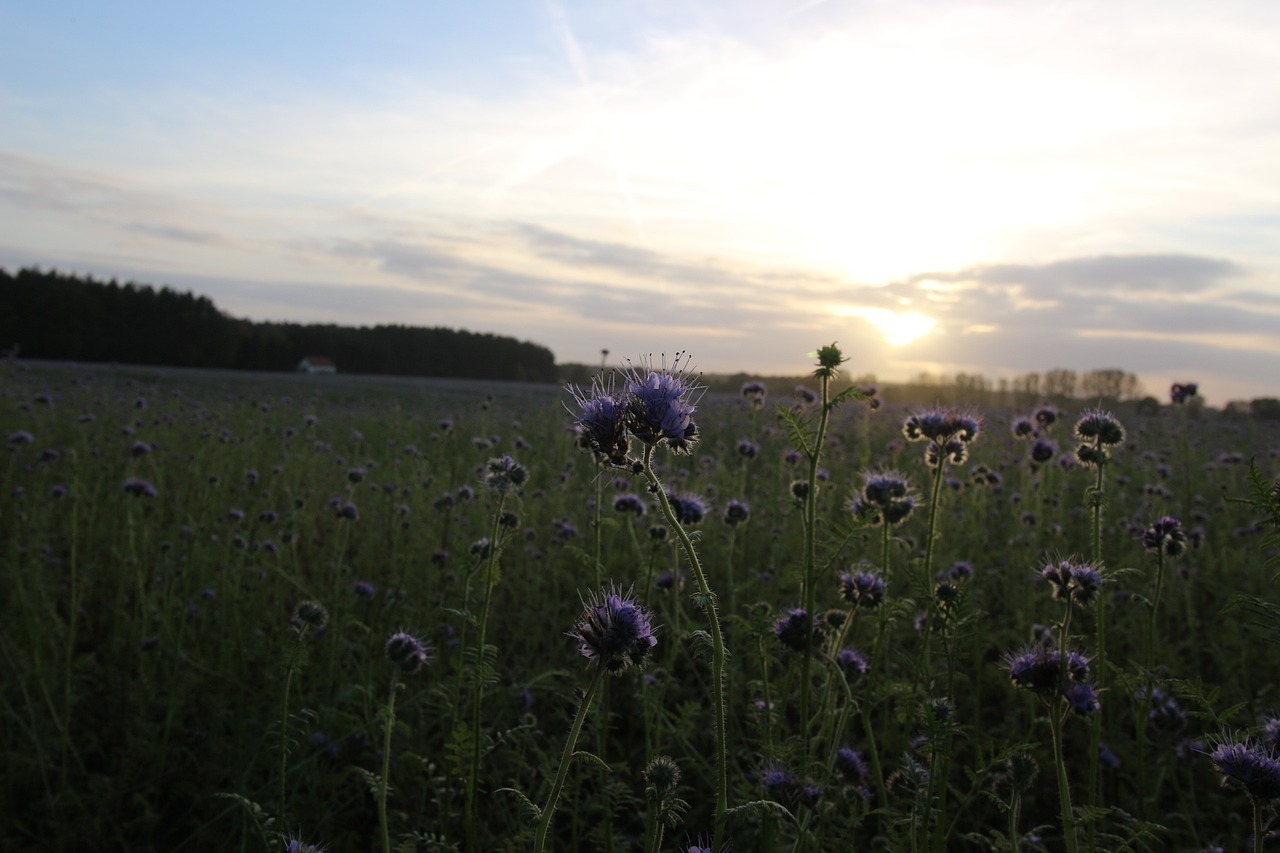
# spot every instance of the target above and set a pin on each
(795, 629)
(747, 449)
(1165, 535)
(736, 512)
(1023, 428)
(614, 630)
(1073, 582)
(886, 498)
(310, 614)
(755, 393)
(1097, 426)
(1180, 392)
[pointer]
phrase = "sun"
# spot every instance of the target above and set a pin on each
(898, 327)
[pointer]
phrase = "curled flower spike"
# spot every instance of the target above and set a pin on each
(614, 630)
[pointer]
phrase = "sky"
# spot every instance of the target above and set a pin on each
(942, 186)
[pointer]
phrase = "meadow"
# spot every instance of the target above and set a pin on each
(276, 612)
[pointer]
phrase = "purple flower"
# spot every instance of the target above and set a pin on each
(364, 589)
(1248, 765)
(886, 498)
(1038, 668)
(503, 474)
(407, 652)
(139, 488)
(614, 630)
(852, 664)
(748, 449)
(1083, 699)
(660, 405)
(601, 423)
(628, 502)
(1073, 582)
(940, 426)
(688, 509)
(736, 512)
(1098, 427)
(864, 588)
(1167, 536)
(797, 629)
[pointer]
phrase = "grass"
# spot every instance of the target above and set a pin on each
(154, 686)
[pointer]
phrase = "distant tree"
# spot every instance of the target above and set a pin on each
(1267, 408)
(1060, 382)
(1109, 384)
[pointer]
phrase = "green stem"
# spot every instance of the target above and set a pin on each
(1100, 631)
(566, 758)
(1064, 793)
(809, 591)
(386, 765)
(717, 644)
(473, 772)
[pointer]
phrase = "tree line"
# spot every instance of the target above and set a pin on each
(60, 316)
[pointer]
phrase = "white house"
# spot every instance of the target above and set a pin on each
(317, 364)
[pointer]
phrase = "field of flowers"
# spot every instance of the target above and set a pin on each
(301, 613)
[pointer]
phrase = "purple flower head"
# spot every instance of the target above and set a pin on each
(689, 509)
(1043, 450)
(1249, 765)
(886, 499)
(601, 423)
(1073, 582)
(755, 392)
(1097, 427)
(940, 426)
(736, 512)
(292, 844)
(776, 777)
(1166, 536)
(614, 631)
(504, 474)
(660, 405)
(796, 628)
(364, 589)
(863, 588)
(960, 571)
(139, 488)
(1022, 428)
(407, 652)
(628, 502)
(852, 664)
(1037, 668)
(21, 437)
(1047, 415)
(851, 763)
(310, 614)
(1083, 699)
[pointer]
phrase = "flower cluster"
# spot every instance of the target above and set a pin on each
(1039, 669)
(1073, 582)
(797, 629)
(1166, 536)
(655, 405)
(863, 588)
(1097, 431)
(614, 630)
(948, 431)
(504, 474)
(886, 498)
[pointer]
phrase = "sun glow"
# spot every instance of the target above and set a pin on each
(898, 327)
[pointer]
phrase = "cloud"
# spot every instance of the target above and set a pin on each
(1132, 274)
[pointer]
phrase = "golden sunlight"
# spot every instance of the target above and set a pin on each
(898, 327)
